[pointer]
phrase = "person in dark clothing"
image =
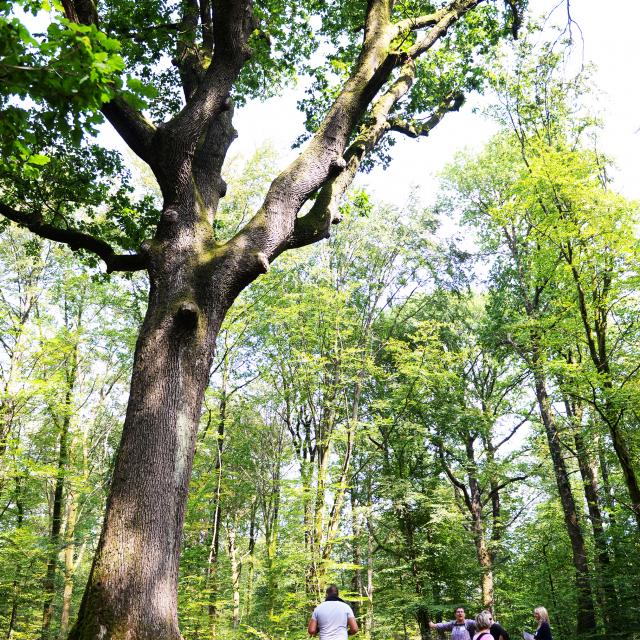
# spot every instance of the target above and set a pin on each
(543, 632)
(498, 632)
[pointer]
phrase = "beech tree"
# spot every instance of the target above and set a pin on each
(166, 76)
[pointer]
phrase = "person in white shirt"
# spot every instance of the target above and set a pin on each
(333, 619)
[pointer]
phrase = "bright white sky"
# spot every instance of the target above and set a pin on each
(610, 32)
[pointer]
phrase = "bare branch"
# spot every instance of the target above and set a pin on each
(506, 483)
(454, 481)
(76, 240)
(415, 128)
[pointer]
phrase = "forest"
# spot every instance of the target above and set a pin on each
(431, 404)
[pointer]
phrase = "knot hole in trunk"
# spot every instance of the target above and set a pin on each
(187, 316)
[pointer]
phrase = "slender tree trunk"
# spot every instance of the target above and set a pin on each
(343, 481)
(236, 568)
(69, 563)
(271, 540)
(609, 498)
(597, 342)
(58, 503)
(586, 621)
(623, 453)
(248, 599)
(408, 530)
(483, 554)
(214, 546)
(368, 618)
(606, 592)
(356, 579)
(306, 475)
(15, 590)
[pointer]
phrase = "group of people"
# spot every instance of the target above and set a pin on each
(334, 620)
(484, 627)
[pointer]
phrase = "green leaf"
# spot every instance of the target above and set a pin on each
(38, 159)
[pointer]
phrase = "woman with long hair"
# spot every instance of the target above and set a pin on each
(543, 632)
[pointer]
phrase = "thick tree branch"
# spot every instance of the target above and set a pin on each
(324, 212)
(76, 240)
(234, 22)
(275, 227)
(495, 490)
(189, 60)
(454, 481)
(270, 230)
(132, 126)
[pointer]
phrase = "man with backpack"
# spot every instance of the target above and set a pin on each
(461, 628)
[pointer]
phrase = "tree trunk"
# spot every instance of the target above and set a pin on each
(586, 622)
(15, 591)
(597, 342)
(248, 600)
(483, 554)
(606, 593)
(624, 457)
(58, 503)
(236, 568)
(214, 546)
(356, 579)
(368, 618)
(132, 587)
(271, 525)
(70, 563)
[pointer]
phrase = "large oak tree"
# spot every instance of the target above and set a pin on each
(390, 67)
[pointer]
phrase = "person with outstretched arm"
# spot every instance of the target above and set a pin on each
(333, 619)
(461, 628)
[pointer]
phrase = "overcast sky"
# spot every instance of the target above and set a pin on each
(609, 31)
